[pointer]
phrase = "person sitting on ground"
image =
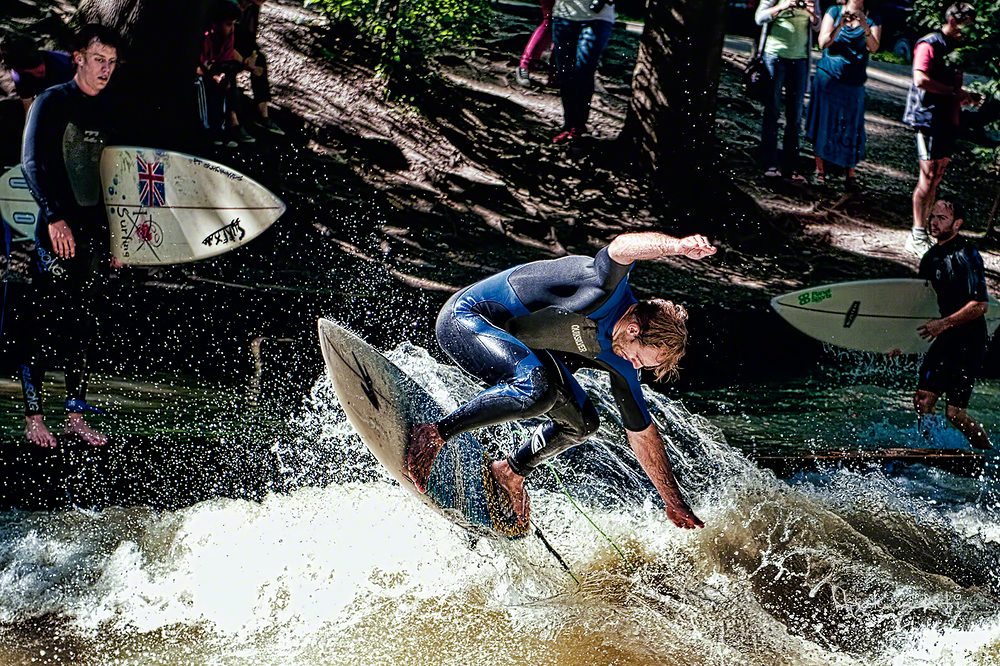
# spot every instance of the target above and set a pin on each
(934, 110)
(540, 40)
(836, 120)
(254, 61)
(218, 61)
(34, 70)
(787, 47)
(954, 268)
(525, 330)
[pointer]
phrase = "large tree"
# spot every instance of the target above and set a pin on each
(670, 125)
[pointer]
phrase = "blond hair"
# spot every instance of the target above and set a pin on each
(662, 324)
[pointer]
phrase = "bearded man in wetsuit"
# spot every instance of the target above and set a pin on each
(525, 330)
(64, 134)
(955, 269)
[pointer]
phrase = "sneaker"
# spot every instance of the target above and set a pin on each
(237, 133)
(918, 243)
(270, 126)
(566, 136)
(522, 76)
(852, 186)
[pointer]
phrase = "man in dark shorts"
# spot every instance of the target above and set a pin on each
(933, 109)
(525, 330)
(64, 135)
(955, 269)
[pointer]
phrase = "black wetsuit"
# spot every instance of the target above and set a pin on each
(523, 332)
(63, 138)
(955, 270)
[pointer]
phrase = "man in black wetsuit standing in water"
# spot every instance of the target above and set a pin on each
(63, 137)
(525, 330)
(955, 269)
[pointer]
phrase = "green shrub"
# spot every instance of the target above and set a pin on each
(407, 34)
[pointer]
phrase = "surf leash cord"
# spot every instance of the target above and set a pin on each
(583, 513)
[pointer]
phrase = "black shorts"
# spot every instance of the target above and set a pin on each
(937, 143)
(951, 366)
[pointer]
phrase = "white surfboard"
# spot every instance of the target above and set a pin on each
(170, 208)
(17, 207)
(868, 315)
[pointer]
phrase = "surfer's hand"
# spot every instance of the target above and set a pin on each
(62, 239)
(116, 263)
(932, 329)
(681, 515)
(695, 247)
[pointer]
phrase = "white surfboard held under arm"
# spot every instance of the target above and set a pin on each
(169, 208)
(163, 207)
(869, 315)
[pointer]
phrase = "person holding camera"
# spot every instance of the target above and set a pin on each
(788, 26)
(835, 122)
(580, 32)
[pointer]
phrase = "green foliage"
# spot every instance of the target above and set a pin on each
(407, 34)
(978, 55)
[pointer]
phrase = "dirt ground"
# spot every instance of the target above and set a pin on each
(462, 180)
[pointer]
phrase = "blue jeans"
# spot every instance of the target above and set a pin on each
(577, 48)
(788, 76)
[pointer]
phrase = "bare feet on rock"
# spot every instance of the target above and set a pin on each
(75, 425)
(37, 433)
(513, 484)
(425, 443)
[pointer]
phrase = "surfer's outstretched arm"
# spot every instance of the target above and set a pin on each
(645, 245)
(648, 447)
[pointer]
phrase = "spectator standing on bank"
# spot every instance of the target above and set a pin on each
(580, 32)
(218, 62)
(34, 70)
(540, 40)
(789, 25)
(255, 61)
(836, 120)
(934, 110)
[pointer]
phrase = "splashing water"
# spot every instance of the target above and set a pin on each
(342, 566)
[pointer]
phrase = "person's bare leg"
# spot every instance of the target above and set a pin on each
(37, 433)
(973, 430)
(923, 193)
(262, 109)
(924, 402)
(423, 447)
(75, 425)
(513, 483)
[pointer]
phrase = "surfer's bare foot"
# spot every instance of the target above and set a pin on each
(425, 443)
(37, 433)
(513, 484)
(75, 425)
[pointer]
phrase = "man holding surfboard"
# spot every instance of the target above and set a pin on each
(63, 137)
(525, 330)
(955, 269)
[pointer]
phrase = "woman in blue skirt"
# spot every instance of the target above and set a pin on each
(836, 120)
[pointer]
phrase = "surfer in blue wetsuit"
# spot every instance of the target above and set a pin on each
(525, 330)
(955, 269)
(63, 138)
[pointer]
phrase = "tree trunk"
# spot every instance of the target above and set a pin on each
(670, 126)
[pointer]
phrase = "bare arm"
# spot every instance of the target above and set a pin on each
(969, 312)
(648, 448)
(654, 245)
(924, 82)
(828, 31)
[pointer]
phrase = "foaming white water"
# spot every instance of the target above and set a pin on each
(861, 568)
